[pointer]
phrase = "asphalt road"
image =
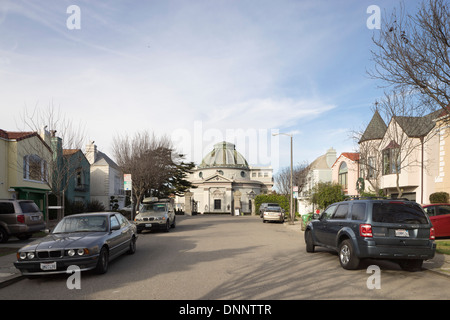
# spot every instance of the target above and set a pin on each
(232, 258)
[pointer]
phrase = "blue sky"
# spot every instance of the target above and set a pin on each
(197, 71)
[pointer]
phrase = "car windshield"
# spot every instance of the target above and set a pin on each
(275, 209)
(398, 212)
(82, 224)
(153, 209)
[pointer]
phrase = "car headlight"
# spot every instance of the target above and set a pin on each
(30, 255)
(81, 252)
(71, 252)
(23, 255)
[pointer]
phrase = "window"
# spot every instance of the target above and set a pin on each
(217, 204)
(328, 212)
(35, 168)
(341, 212)
(343, 175)
(114, 222)
(358, 211)
(6, 207)
(79, 178)
(398, 212)
(391, 159)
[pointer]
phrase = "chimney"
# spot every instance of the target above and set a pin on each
(91, 152)
(331, 157)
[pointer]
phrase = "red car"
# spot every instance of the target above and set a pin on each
(439, 214)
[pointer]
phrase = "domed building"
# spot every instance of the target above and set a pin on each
(225, 183)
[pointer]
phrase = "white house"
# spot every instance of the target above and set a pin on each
(319, 171)
(106, 177)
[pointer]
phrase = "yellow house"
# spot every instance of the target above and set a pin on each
(24, 174)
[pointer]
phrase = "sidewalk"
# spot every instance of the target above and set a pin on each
(9, 274)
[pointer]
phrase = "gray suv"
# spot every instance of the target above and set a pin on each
(20, 218)
(373, 228)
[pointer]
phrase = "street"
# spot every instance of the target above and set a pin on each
(232, 258)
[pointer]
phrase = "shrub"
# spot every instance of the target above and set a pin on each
(95, 206)
(439, 197)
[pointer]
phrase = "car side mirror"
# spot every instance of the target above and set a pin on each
(116, 227)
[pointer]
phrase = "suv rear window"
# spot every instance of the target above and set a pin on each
(28, 207)
(394, 212)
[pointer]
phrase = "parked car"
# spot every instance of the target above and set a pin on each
(439, 214)
(155, 214)
(377, 229)
(264, 206)
(88, 240)
(273, 213)
(20, 218)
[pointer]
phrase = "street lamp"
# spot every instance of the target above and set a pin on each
(291, 209)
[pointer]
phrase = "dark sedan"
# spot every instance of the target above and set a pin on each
(88, 240)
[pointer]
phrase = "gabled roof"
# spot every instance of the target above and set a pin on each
(376, 128)
(22, 135)
(416, 127)
(353, 156)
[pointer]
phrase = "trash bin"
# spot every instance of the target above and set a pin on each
(305, 219)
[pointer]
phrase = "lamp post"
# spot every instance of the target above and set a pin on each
(291, 202)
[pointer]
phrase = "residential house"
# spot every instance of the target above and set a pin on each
(24, 173)
(345, 171)
(319, 171)
(402, 153)
(78, 176)
(106, 178)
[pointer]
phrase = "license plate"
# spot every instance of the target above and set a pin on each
(148, 225)
(35, 218)
(401, 233)
(48, 266)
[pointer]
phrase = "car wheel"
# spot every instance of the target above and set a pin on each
(174, 222)
(309, 242)
(167, 226)
(347, 256)
(411, 265)
(132, 249)
(3, 236)
(102, 264)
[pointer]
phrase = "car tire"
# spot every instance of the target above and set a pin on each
(174, 222)
(347, 256)
(103, 260)
(132, 249)
(309, 242)
(3, 236)
(167, 226)
(411, 265)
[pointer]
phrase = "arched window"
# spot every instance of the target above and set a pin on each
(343, 175)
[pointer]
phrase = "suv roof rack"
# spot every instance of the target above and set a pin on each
(375, 198)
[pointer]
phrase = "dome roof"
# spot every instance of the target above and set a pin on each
(224, 154)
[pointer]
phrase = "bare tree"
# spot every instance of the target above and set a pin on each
(413, 52)
(59, 133)
(155, 168)
(283, 178)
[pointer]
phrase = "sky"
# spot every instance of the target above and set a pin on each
(199, 72)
